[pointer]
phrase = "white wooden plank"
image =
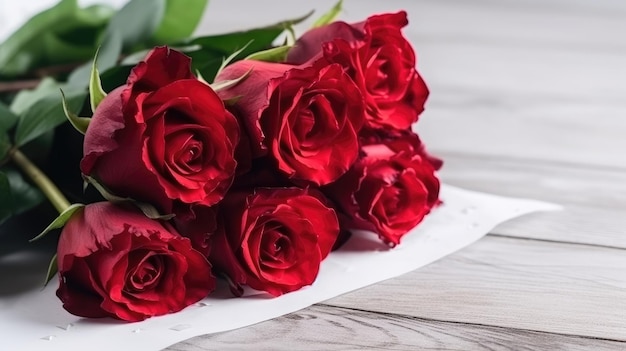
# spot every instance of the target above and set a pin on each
(329, 328)
(558, 182)
(594, 199)
(522, 284)
(575, 224)
(541, 80)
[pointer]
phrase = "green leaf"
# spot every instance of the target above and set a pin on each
(201, 78)
(225, 84)
(106, 194)
(45, 115)
(137, 21)
(38, 150)
(6, 198)
(60, 221)
(277, 54)
(230, 58)
(147, 209)
(7, 118)
(207, 63)
(151, 212)
(260, 38)
(12, 48)
(24, 195)
(135, 57)
(26, 98)
(96, 93)
(5, 145)
(329, 16)
(52, 270)
(108, 54)
(131, 26)
(179, 21)
(207, 52)
(115, 77)
(79, 123)
(62, 34)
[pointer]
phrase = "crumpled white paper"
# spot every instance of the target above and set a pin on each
(36, 321)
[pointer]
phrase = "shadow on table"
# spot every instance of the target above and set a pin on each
(23, 265)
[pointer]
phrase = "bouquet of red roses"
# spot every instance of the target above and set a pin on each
(253, 178)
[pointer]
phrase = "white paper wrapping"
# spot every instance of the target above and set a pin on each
(36, 321)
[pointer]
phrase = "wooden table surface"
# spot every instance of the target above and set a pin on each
(529, 100)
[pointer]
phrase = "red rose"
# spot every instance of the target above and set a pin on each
(163, 138)
(379, 59)
(388, 191)
(273, 239)
(400, 140)
(198, 225)
(116, 262)
(305, 118)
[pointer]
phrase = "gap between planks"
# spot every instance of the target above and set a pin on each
(593, 198)
(323, 327)
(522, 284)
(585, 186)
(430, 320)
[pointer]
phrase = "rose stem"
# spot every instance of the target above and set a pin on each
(52, 192)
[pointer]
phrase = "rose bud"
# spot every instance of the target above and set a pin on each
(388, 192)
(164, 138)
(379, 59)
(273, 239)
(116, 262)
(305, 118)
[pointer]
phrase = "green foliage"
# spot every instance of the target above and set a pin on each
(27, 97)
(63, 33)
(137, 21)
(60, 221)
(225, 84)
(96, 93)
(329, 16)
(115, 77)
(45, 114)
(52, 270)
(277, 54)
(208, 52)
(139, 25)
(147, 209)
(22, 196)
(5, 145)
(7, 118)
(179, 21)
(229, 59)
(79, 123)
(108, 55)
(6, 199)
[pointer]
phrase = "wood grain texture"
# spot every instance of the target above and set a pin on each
(524, 284)
(331, 328)
(540, 80)
(593, 198)
(575, 224)
(566, 184)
